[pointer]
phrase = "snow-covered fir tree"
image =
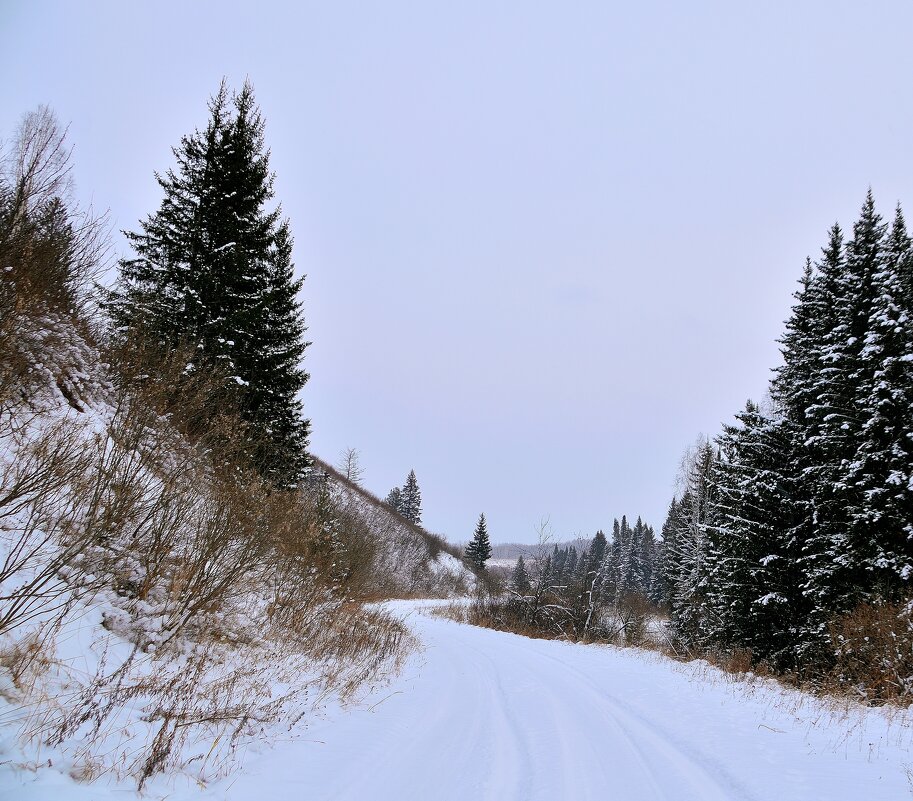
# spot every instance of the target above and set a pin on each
(881, 472)
(752, 554)
(664, 576)
(686, 562)
(807, 511)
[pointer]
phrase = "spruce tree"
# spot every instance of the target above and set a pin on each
(687, 563)
(519, 578)
(656, 592)
(559, 558)
(411, 500)
(598, 547)
(881, 473)
(834, 558)
(394, 500)
(596, 561)
(213, 272)
(570, 566)
(479, 549)
(667, 574)
(635, 556)
(597, 584)
(643, 557)
(801, 399)
(753, 579)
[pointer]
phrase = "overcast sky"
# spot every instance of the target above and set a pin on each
(546, 244)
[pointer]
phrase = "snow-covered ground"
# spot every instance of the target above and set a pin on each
(480, 714)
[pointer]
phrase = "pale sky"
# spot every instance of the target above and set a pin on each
(546, 244)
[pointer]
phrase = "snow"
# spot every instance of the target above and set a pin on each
(508, 563)
(448, 565)
(481, 714)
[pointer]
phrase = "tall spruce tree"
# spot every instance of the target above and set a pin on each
(687, 562)
(835, 555)
(881, 473)
(797, 393)
(667, 573)
(213, 272)
(656, 592)
(479, 549)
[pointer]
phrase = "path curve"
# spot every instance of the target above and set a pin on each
(480, 714)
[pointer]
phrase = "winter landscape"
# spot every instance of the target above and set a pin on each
(570, 282)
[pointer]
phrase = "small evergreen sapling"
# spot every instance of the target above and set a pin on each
(519, 578)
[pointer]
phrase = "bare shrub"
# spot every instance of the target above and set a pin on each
(252, 579)
(41, 543)
(628, 619)
(50, 252)
(873, 650)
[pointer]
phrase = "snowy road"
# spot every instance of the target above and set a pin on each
(481, 714)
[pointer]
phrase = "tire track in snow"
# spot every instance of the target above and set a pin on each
(585, 749)
(634, 766)
(706, 776)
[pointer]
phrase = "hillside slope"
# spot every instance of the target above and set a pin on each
(408, 560)
(161, 609)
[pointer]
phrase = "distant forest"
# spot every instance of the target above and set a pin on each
(513, 550)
